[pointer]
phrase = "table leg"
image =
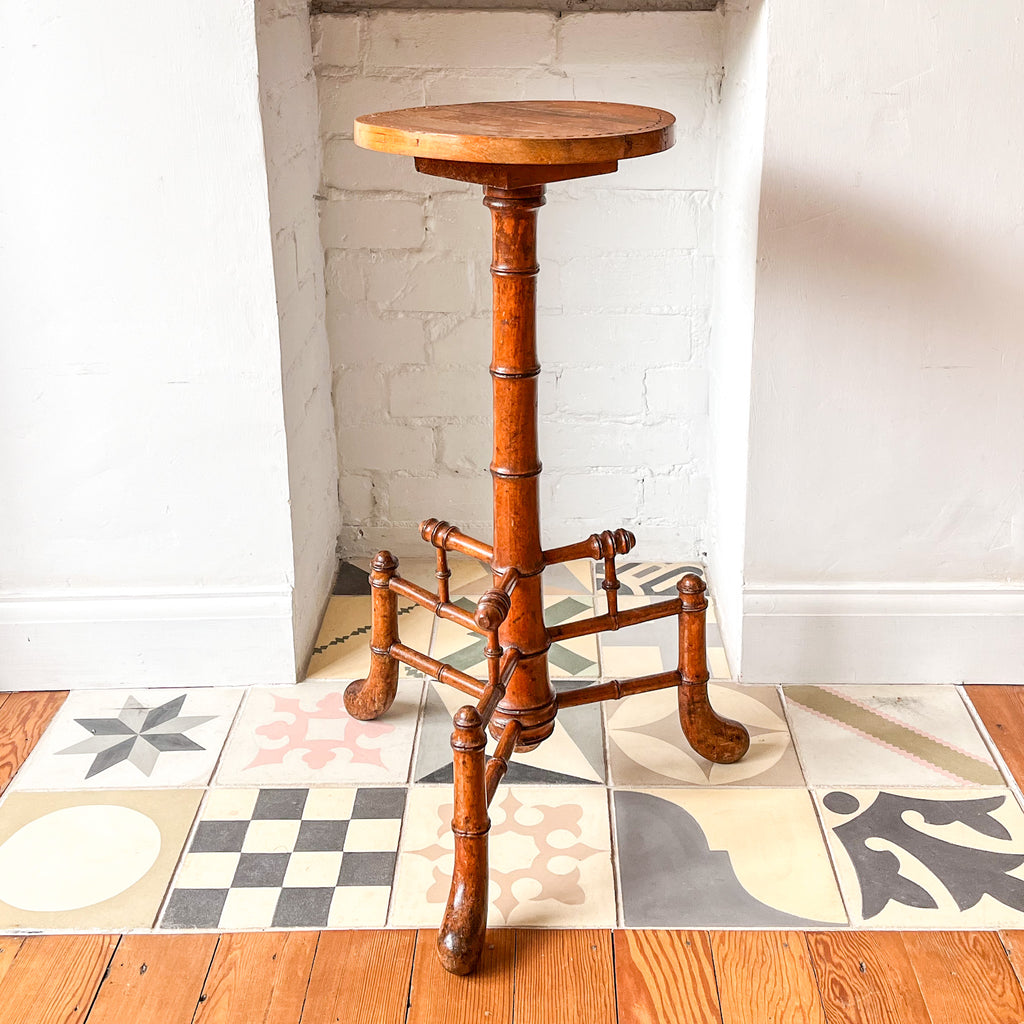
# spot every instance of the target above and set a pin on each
(460, 940)
(369, 698)
(718, 739)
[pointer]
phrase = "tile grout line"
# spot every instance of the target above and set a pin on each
(812, 796)
(207, 788)
(620, 912)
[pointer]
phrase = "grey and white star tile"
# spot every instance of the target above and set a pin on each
(117, 739)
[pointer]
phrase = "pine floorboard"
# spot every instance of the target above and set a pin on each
(258, 978)
(438, 997)
(965, 976)
(9, 947)
(766, 977)
(23, 719)
(54, 978)
(1013, 943)
(1001, 708)
(866, 978)
(564, 976)
(154, 978)
(360, 978)
(665, 976)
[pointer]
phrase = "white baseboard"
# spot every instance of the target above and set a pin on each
(885, 633)
(97, 640)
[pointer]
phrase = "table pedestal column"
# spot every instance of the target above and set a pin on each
(515, 467)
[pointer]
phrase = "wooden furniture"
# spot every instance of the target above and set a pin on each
(514, 150)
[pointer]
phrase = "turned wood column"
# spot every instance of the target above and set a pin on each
(515, 466)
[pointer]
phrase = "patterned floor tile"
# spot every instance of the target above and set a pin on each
(731, 858)
(647, 579)
(469, 578)
(113, 739)
(646, 746)
(289, 858)
(572, 754)
(887, 736)
(650, 647)
(550, 858)
(927, 858)
(342, 648)
(575, 659)
(466, 573)
(302, 735)
(90, 860)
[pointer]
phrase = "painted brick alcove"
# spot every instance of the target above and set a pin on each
(625, 290)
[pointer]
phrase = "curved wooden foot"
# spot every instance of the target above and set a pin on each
(718, 739)
(460, 940)
(369, 698)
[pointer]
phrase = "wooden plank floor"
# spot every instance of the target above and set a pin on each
(527, 977)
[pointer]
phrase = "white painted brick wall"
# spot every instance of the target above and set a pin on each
(624, 289)
(288, 106)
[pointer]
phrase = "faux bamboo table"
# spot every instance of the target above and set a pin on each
(514, 149)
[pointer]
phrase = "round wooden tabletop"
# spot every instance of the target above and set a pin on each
(519, 132)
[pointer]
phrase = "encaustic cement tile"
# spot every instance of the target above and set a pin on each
(726, 859)
(887, 736)
(289, 858)
(469, 578)
(572, 754)
(647, 579)
(646, 746)
(109, 739)
(466, 573)
(575, 658)
(927, 858)
(90, 860)
(650, 647)
(303, 734)
(342, 648)
(550, 858)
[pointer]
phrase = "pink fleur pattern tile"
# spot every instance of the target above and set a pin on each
(303, 734)
(550, 858)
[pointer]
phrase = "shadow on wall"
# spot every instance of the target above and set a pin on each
(887, 354)
(912, 265)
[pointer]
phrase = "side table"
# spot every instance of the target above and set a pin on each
(514, 149)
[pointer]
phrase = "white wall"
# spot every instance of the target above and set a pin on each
(738, 197)
(288, 101)
(625, 286)
(145, 534)
(885, 521)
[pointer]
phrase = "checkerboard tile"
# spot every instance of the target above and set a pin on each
(289, 858)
